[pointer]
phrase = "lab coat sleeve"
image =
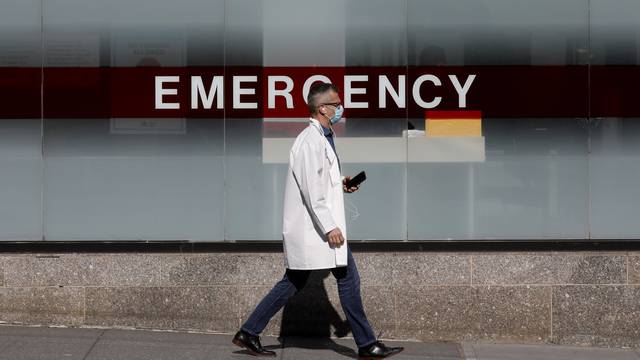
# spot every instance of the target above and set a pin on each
(307, 169)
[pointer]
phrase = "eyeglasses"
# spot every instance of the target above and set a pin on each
(335, 104)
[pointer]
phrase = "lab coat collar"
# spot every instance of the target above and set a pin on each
(318, 126)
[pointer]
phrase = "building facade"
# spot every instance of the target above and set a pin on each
(507, 126)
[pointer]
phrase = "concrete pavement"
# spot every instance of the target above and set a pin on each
(53, 343)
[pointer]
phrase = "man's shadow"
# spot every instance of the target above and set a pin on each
(308, 318)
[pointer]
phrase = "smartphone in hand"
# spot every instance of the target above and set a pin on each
(356, 180)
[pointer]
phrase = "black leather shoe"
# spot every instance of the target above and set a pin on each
(251, 343)
(377, 350)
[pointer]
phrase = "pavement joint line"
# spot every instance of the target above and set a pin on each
(94, 344)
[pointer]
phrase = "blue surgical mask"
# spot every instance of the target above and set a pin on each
(337, 115)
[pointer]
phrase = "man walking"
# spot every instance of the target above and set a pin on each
(314, 230)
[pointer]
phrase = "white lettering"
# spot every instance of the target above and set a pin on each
(160, 91)
(416, 91)
(286, 92)
(203, 96)
(385, 87)
(237, 91)
(349, 90)
(462, 90)
(197, 90)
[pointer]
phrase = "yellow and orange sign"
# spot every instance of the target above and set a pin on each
(444, 123)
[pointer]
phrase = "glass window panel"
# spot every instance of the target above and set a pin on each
(615, 32)
(373, 142)
(113, 177)
(20, 120)
(615, 132)
(331, 40)
(253, 189)
(614, 175)
(517, 176)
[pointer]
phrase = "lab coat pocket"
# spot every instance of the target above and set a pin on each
(334, 170)
(335, 176)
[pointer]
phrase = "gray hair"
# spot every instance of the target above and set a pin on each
(316, 90)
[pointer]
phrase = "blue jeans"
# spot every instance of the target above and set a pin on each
(293, 281)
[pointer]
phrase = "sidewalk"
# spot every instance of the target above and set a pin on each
(44, 343)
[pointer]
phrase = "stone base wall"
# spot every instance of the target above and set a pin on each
(574, 297)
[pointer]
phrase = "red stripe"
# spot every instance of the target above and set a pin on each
(614, 91)
(498, 91)
(452, 115)
(20, 93)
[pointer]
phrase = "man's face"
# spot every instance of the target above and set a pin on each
(328, 104)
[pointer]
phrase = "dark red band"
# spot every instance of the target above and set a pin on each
(497, 91)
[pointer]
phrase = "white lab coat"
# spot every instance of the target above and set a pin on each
(313, 203)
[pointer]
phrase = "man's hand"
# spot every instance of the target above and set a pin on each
(344, 185)
(335, 237)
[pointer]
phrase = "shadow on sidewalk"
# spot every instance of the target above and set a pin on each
(309, 318)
